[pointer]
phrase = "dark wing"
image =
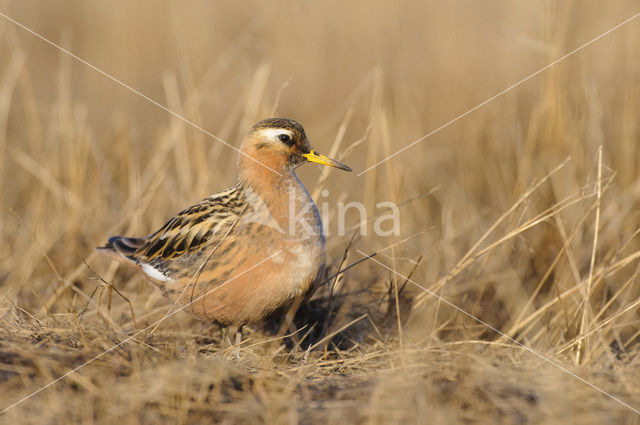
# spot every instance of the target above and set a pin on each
(192, 228)
(187, 232)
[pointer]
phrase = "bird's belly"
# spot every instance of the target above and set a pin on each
(257, 270)
(244, 286)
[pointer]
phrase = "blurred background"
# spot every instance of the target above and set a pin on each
(82, 158)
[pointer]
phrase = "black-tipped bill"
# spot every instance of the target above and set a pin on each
(314, 156)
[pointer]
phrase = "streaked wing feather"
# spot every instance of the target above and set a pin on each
(189, 230)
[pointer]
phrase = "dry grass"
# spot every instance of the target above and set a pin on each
(524, 225)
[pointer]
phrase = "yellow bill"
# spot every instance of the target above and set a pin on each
(314, 156)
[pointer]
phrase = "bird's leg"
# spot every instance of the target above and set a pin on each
(288, 323)
(224, 333)
(239, 334)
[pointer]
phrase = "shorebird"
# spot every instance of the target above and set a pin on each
(240, 255)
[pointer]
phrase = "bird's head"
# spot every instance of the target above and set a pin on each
(281, 145)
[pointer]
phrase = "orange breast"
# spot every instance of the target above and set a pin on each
(251, 274)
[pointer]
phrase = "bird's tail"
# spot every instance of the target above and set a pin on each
(120, 246)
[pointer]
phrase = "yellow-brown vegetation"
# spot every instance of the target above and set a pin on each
(525, 213)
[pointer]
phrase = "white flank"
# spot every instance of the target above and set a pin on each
(155, 273)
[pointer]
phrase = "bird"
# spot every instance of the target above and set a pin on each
(248, 252)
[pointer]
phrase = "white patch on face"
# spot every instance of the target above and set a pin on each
(273, 133)
(155, 273)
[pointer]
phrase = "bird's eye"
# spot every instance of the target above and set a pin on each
(285, 138)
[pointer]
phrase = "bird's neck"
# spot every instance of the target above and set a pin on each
(283, 198)
(266, 176)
